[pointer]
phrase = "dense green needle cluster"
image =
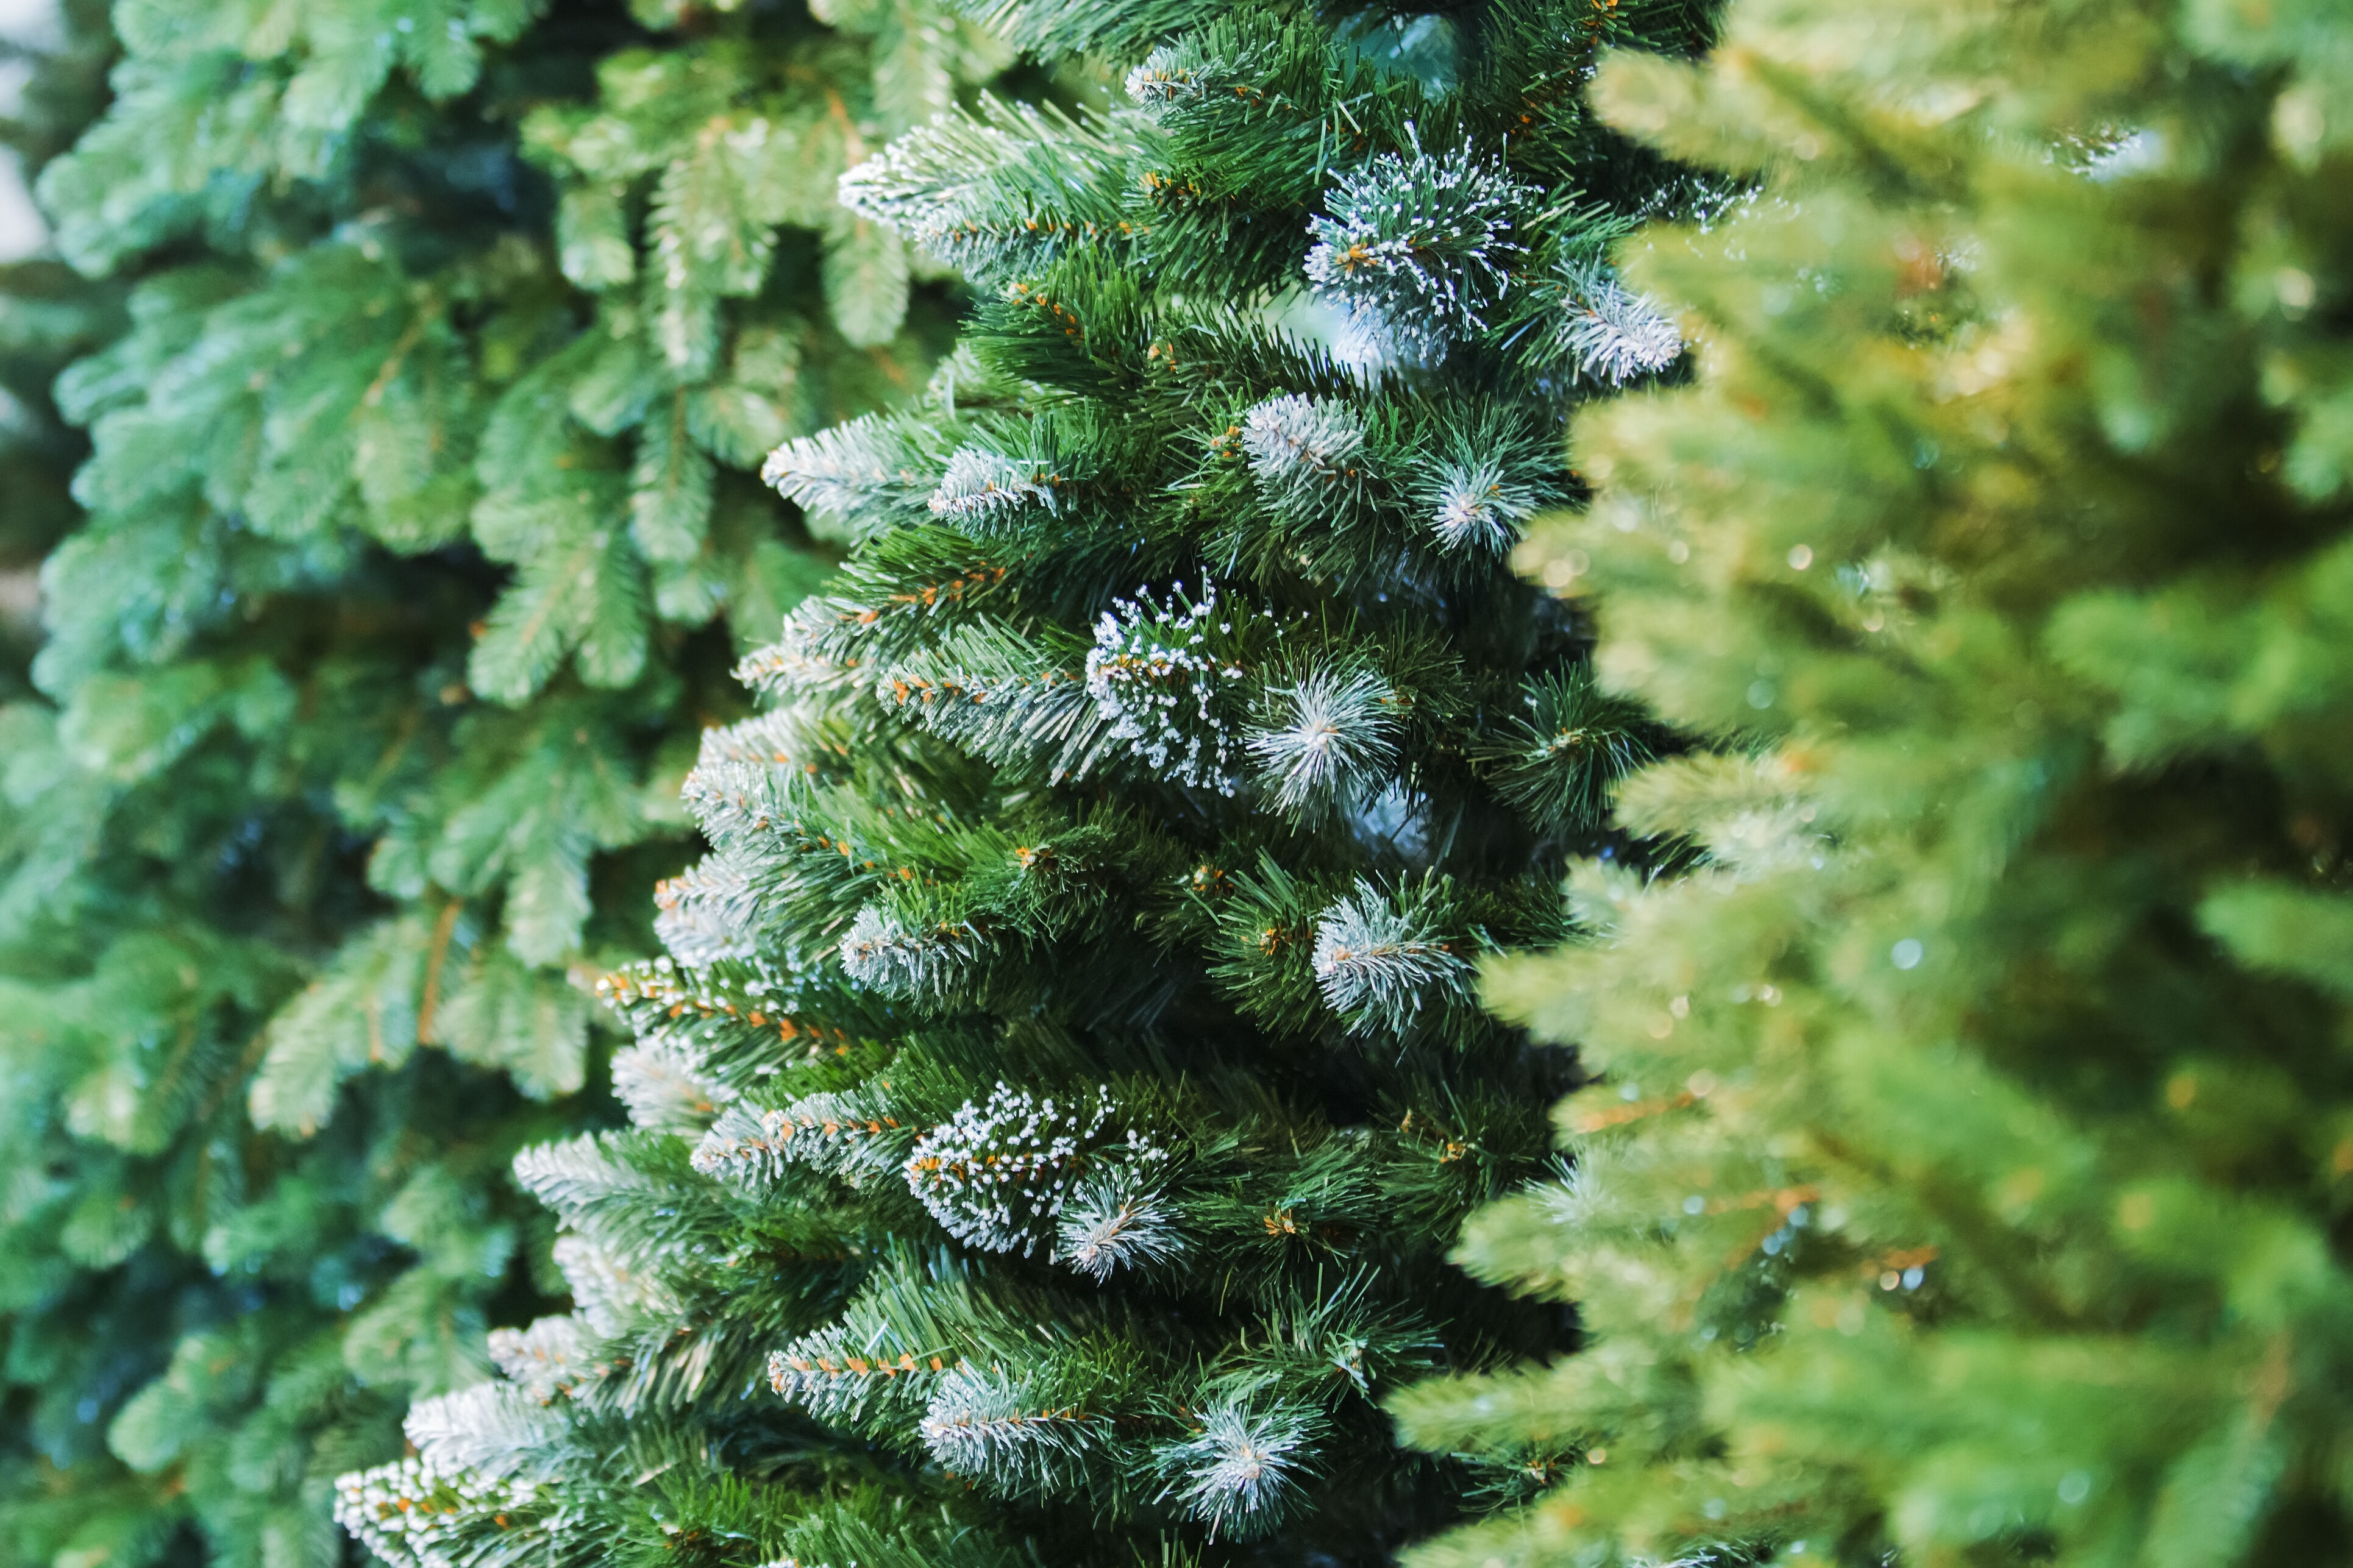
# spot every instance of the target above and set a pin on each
(49, 316)
(418, 536)
(1066, 1081)
(1969, 1180)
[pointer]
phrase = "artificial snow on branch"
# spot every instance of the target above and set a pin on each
(1422, 246)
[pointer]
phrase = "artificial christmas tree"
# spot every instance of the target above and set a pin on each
(1065, 1082)
(419, 491)
(1968, 1179)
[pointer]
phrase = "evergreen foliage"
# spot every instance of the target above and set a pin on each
(1066, 1080)
(417, 527)
(49, 316)
(1970, 1179)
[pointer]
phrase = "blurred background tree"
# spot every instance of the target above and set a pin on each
(421, 348)
(52, 84)
(1969, 1183)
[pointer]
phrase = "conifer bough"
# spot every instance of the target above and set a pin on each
(1066, 1079)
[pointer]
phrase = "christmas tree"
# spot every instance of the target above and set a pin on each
(1967, 1178)
(418, 536)
(1066, 1079)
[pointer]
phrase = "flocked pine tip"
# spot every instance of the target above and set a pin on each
(986, 1425)
(1307, 453)
(1331, 740)
(980, 487)
(890, 955)
(1239, 1472)
(1421, 249)
(1379, 966)
(1613, 334)
(409, 1511)
(1113, 1220)
(1162, 674)
(998, 1174)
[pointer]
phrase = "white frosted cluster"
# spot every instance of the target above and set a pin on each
(1336, 740)
(837, 472)
(1305, 451)
(786, 738)
(609, 1295)
(997, 1173)
(1161, 80)
(1420, 245)
(1614, 334)
(923, 185)
(1163, 690)
(407, 1511)
(806, 658)
(984, 1423)
(1239, 1472)
(832, 1379)
(1377, 964)
(835, 1133)
(743, 1147)
(705, 914)
(542, 1360)
(487, 1430)
(981, 486)
(747, 776)
(661, 1080)
(1479, 506)
(1116, 1221)
(881, 953)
